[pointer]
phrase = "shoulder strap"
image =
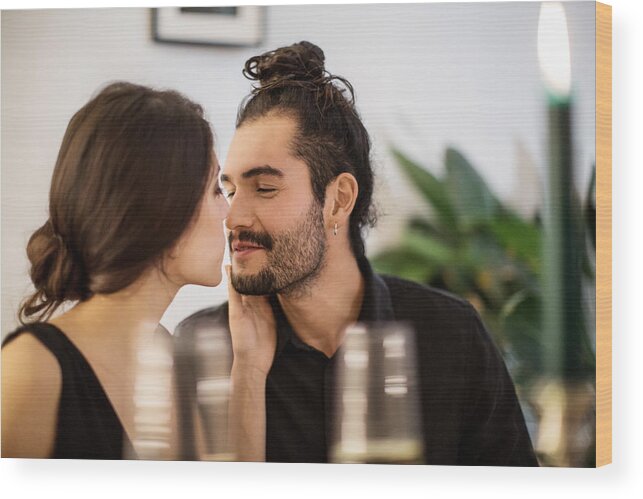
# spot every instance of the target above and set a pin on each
(53, 339)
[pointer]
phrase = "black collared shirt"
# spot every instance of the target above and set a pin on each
(470, 413)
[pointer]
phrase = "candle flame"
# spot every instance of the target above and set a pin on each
(553, 49)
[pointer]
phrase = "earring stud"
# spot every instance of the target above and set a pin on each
(335, 229)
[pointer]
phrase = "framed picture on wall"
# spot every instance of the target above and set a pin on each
(238, 26)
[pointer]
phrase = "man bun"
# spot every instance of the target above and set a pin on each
(298, 64)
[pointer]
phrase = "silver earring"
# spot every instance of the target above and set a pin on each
(335, 229)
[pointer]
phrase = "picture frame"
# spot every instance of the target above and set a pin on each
(240, 26)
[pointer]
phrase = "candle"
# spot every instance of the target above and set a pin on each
(563, 314)
(553, 51)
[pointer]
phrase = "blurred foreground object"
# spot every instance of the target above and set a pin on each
(377, 418)
(566, 423)
(565, 394)
(213, 362)
(153, 402)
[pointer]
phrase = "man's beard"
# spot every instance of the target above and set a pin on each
(295, 257)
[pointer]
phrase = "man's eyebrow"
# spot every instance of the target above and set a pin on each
(255, 172)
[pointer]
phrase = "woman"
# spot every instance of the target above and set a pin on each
(135, 213)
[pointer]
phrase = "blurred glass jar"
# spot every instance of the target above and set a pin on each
(377, 417)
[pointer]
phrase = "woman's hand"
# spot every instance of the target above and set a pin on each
(254, 339)
(253, 330)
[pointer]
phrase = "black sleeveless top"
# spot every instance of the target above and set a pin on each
(87, 425)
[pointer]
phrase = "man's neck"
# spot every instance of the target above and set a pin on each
(320, 316)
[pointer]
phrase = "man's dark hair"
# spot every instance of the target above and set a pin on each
(330, 137)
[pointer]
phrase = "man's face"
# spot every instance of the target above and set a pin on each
(277, 236)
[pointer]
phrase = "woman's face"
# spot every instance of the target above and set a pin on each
(198, 256)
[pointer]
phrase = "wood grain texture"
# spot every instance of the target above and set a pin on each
(603, 234)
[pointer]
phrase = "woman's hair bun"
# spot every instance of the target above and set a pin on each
(300, 64)
(55, 273)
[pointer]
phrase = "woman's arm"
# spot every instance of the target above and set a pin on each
(254, 339)
(31, 386)
(247, 413)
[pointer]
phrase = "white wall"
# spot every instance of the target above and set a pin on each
(426, 76)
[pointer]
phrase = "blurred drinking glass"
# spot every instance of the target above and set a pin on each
(212, 364)
(376, 418)
(153, 401)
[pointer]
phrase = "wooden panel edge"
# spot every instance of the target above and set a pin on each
(603, 234)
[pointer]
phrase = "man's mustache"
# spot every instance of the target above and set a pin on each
(259, 238)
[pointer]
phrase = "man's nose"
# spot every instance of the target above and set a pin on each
(240, 214)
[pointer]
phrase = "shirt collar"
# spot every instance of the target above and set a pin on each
(376, 306)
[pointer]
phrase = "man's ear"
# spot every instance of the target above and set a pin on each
(341, 196)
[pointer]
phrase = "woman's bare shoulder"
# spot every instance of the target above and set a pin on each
(31, 386)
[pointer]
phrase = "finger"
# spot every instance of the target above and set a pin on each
(234, 298)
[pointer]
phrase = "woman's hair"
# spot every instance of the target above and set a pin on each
(330, 137)
(131, 171)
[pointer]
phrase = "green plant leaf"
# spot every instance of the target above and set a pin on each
(589, 228)
(474, 246)
(522, 330)
(510, 305)
(474, 203)
(590, 208)
(424, 226)
(428, 247)
(521, 239)
(429, 186)
(404, 263)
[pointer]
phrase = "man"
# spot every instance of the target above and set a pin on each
(299, 181)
